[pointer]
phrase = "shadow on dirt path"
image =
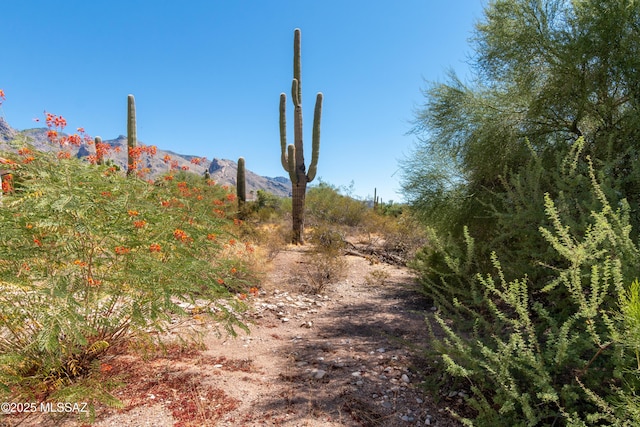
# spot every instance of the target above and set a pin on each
(355, 355)
(358, 361)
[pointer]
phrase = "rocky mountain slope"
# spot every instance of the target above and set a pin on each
(222, 171)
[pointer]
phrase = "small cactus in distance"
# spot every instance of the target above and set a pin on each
(241, 186)
(292, 155)
(375, 200)
(132, 137)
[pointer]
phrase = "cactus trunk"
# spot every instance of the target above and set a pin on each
(375, 200)
(241, 182)
(292, 156)
(132, 137)
(297, 212)
(241, 187)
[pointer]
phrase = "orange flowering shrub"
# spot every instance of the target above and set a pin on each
(87, 258)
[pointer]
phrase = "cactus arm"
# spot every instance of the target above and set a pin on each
(291, 156)
(315, 138)
(283, 132)
(295, 94)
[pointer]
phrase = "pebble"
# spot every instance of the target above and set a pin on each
(405, 379)
(319, 373)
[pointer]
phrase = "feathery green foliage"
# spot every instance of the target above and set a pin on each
(89, 259)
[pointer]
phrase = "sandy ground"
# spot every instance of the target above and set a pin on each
(351, 355)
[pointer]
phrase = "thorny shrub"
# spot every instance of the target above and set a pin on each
(561, 354)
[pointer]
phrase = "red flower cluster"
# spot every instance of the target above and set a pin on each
(56, 124)
(121, 250)
(136, 152)
(180, 235)
(198, 160)
(54, 121)
(6, 184)
(102, 150)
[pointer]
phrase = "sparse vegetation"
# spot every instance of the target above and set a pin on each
(377, 278)
(522, 227)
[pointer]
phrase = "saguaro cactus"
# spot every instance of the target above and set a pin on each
(292, 156)
(241, 186)
(375, 199)
(132, 137)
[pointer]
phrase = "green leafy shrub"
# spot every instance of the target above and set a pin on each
(448, 264)
(558, 353)
(325, 203)
(89, 259)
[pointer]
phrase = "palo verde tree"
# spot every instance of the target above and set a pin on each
(548, 72)
(292, 156)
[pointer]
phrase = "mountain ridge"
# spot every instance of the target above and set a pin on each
(222, 171)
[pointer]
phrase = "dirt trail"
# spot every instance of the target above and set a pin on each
(341, 358)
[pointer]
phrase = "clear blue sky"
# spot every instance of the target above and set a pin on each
(207, 74)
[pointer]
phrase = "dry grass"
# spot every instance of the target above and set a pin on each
(376, 278)
(323, 269)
